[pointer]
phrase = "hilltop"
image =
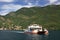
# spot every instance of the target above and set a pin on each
(48, 17)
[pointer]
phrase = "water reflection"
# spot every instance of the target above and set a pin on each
(36, 37)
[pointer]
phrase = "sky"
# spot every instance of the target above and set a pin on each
(7, 6)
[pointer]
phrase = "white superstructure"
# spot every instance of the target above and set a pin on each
(35, 28)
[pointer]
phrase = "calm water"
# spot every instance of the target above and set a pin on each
(19, 35)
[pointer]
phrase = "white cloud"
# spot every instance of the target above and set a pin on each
(8, 8)
(58, 3)
(52, 1)
(30, 4)
(37, 2)
(6, 0)
(4, 12)
(12, 7)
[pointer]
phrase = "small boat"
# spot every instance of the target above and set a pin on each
(36, 29)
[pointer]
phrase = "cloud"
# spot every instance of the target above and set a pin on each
(37, 2)
(30, 4)
(11, 7)
(52, 1)
(6, 0)
(4, 12)
(6, 8)
(57, 3)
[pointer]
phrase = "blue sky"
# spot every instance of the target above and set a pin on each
(7, 6)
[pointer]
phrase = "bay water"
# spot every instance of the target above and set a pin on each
(20, 35)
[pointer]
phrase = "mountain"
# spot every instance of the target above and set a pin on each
(48, 17)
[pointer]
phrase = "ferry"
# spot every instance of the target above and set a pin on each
(36, 29)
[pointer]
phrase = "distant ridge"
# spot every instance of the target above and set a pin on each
(48, 16)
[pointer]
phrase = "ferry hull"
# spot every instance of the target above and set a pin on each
(43, 32)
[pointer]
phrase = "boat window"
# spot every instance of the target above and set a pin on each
(31, 29)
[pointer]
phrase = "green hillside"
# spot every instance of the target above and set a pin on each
(48, 17)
